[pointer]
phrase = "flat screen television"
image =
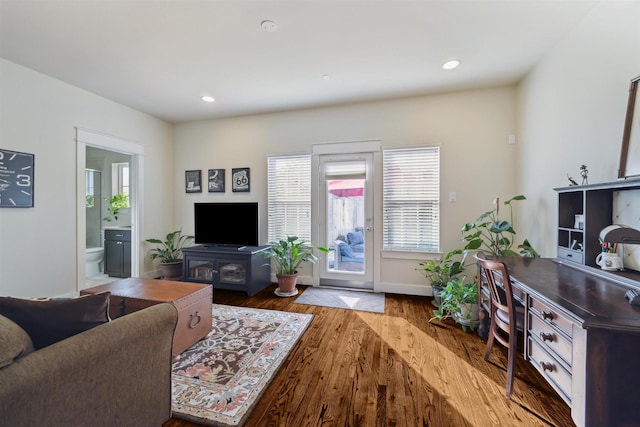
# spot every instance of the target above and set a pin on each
(226, 224)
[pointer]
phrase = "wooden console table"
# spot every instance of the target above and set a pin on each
(583, 336)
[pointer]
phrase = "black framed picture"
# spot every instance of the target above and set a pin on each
(216, 180)
(240, 180)
(193, 181)
(16, 179)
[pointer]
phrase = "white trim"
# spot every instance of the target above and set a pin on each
(404, 289)
(85, 137)
(351, 147)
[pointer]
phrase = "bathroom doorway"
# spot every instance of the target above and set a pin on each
(109, 171)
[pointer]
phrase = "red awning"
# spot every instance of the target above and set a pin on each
(346, 187)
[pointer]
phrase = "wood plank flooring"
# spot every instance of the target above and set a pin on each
(354, 368)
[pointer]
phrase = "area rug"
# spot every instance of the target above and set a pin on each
(338, 298)
(219, 379)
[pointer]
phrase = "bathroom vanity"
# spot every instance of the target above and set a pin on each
(117, 251)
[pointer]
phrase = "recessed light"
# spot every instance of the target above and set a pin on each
(451, 64)
(269, 26)
(326, 76)
(207, 98)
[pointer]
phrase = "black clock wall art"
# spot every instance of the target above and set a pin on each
(16, 179)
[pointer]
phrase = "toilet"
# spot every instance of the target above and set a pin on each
(93, 260)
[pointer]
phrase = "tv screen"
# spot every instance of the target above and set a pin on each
(226, 224)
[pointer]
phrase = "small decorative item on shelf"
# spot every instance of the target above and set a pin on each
(572, 181)
(584, 172)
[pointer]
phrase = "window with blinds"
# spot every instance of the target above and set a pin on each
(411, 193)
(289, 197)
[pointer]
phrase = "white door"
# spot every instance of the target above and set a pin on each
(346, 221)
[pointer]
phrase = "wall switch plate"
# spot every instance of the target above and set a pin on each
(512, 139)
(452, 196)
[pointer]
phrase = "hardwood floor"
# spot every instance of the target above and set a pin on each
(354, 368)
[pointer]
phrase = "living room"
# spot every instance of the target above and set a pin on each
(524, 136)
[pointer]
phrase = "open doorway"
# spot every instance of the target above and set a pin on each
(109, 171)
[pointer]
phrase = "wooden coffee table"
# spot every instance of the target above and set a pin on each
(192, 300)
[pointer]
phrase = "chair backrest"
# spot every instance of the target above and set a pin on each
(497, 276)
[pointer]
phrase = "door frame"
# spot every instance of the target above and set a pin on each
(349, 148)
(88, 137)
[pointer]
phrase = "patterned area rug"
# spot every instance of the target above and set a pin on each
(338, 298)
(219, 379)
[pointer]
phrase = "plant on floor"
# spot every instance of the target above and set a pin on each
(288, 255)
(459, 300)
(169, 252)
(117, 202)
(494, 235)
(440, 271)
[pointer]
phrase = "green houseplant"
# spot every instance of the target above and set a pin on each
(116, 202)
(459, 300)
(494, 235)
(288, 255)
(440, 271)
(170, 254)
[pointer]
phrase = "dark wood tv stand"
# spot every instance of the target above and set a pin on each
(226, 267)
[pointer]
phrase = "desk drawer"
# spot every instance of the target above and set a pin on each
(551, 316)
(551, 369)
(551, 338)
(570, 255)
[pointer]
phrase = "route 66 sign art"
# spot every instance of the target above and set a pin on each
(16, 179)
(240, 180)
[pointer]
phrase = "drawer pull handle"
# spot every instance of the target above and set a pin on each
(546, 366)
(547, 337)
(197, 318)
(548, 315)
(569, 255)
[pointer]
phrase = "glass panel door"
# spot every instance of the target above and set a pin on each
(346, 209)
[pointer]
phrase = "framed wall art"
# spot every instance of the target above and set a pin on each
(630, 152)
(216, 180)
(193, 181)
(16, 179)
(240, 180)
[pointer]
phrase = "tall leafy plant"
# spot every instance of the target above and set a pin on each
(169, 250)
(290, 253)
(440, 271)
(494, 235)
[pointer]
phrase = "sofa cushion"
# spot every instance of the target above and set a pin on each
(355, 237)
(50, 321)
(345, 250)
(14, 342)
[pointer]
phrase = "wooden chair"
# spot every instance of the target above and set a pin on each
(503, 310)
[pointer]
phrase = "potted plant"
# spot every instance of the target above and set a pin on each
(440, 271)
(117, 202)
(459, 300)
(288, 254)
(170, 253)
(496, 236)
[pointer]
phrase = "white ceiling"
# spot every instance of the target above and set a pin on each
(160, 57)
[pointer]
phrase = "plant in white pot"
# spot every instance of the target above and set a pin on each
(288, 255)
(440, 271)
(459, 300)
(170, 253)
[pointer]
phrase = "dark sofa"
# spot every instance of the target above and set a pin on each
(114, 374)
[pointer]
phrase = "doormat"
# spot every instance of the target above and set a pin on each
(338, 298)
(218, 380)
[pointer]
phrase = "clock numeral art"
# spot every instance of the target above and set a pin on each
(16, 179)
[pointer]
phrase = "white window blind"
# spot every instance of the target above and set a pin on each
(411, 180)
(289, 197)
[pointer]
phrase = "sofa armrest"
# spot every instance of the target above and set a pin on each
(116, 374)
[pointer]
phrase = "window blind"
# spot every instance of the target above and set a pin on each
(289, 197)
(411, 193)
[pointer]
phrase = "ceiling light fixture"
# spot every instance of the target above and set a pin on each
(326, 76)
(451, 64)
(207, 98)
(269, 26)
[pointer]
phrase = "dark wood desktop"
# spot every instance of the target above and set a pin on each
(583, 336)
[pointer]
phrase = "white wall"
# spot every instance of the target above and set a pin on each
(571, 111)
(472, 128)
(38, 115)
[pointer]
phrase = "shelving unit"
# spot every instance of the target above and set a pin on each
(595, 204)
